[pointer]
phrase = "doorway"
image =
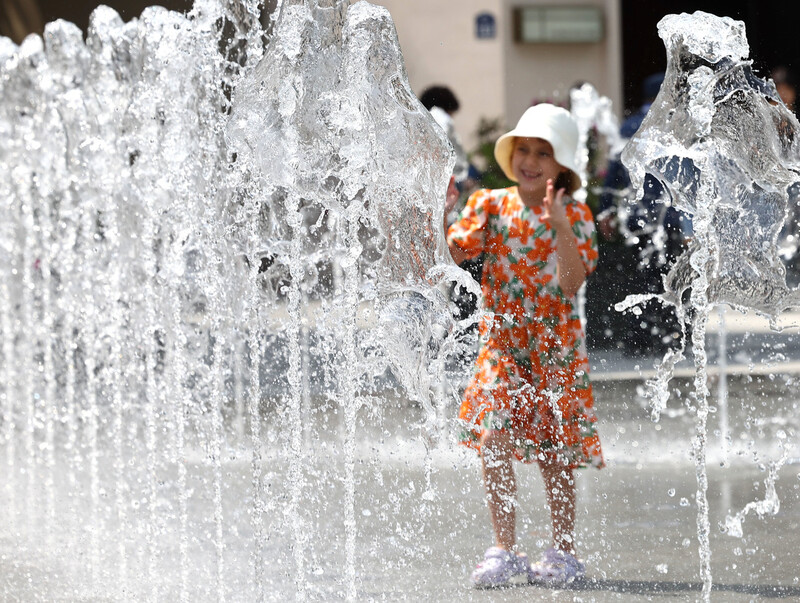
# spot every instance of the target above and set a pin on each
(771, 27)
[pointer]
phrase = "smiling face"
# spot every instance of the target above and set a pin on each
(533, 163)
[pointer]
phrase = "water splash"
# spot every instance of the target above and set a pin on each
(329, 123)
(726, 149)
(770, 504)
(590, 110)
(177, 193)
(715, 124)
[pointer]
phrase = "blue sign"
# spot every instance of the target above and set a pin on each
(485, 26)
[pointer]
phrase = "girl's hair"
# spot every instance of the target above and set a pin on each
(566, 181)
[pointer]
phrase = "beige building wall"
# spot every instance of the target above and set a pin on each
(498, 78)
(439, 46)
(547, 71)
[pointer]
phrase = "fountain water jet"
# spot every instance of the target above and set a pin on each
(159, 215)
(171, 224)
(726, 149)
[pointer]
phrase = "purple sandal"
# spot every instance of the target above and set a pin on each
(556, 568)
(500, 568)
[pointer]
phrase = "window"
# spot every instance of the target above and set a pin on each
(558, 24)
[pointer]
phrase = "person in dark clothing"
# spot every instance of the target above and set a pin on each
(638, 218)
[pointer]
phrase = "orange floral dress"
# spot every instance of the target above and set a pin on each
(532, 372)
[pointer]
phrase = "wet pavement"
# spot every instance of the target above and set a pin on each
(420, 533)
(636, 535)
(420, 519)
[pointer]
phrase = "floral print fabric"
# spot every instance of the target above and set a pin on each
(532, 372)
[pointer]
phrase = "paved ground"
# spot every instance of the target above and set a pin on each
(636, 533)
(421, 522)
(420, 533)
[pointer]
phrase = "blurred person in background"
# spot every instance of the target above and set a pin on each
(443, 104)
(786, 86)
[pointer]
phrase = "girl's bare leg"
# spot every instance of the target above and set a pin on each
(559, 484)
(501, 486)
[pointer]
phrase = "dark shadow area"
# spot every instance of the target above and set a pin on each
(78, 11)
(618, 275)
(771, 32)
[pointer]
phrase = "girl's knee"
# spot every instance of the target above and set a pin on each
(553, 469)
(497, 443)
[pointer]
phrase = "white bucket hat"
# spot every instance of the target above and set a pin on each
(550, 123)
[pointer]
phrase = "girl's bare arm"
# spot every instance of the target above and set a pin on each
(452, 196)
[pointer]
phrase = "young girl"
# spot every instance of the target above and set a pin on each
(530, 395)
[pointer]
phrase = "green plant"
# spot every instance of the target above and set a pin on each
(487, 133)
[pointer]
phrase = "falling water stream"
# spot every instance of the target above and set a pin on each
(157, 224)
(726, 149)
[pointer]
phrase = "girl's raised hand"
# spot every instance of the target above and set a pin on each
(553, 205)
